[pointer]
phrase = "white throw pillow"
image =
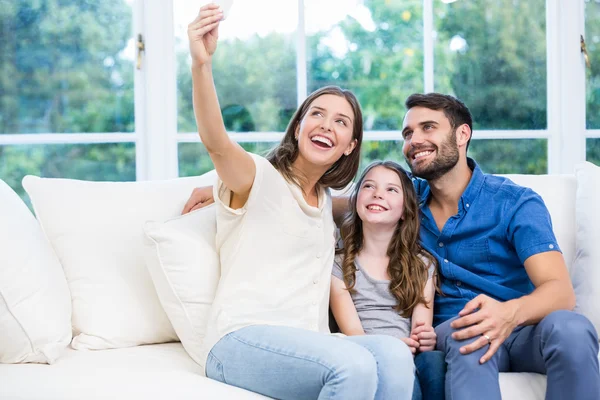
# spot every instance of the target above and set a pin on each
(586, 270)
(96, 229)
(184, 265)
(35, 304)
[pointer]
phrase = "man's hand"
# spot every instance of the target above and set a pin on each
(201, 197)
(412, 342)
(488, 319)
(426, 336)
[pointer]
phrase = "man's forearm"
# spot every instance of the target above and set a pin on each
(550, 296)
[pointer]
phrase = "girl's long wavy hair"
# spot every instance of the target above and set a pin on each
(341, 173)
(409, 261)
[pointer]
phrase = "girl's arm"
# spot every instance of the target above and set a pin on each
(422, 319)
(343, 309)
(423, 315)
(234, 165)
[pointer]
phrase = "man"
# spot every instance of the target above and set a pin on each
(507, 294)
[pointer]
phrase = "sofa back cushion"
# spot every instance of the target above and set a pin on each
(35, 305)
(586, 270)
(96, 229)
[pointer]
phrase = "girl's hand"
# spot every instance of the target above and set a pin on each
(426, 336)
(203, 33)
(412, 343)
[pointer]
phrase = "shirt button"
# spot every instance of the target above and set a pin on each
(441, 244)
(446, 261)
(318, 255)
(314, 303)
(468, 205)
(551, 246)
(458, 283)
(315, 281)
(318, 224)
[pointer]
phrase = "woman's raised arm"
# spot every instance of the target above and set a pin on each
(234, 165)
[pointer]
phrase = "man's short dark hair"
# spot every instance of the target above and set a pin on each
(455, 110)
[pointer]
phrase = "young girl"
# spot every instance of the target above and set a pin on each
(385, 281)
(267, 330)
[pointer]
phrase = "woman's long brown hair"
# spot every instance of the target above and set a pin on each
(409, 262)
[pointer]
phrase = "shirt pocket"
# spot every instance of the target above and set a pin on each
(474, 255)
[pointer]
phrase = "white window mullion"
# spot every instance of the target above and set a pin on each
(569, 143)
(428, 46)
(301, 56)
(139, 95)
(158, 140)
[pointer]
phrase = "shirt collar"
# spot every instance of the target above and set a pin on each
(470, 193)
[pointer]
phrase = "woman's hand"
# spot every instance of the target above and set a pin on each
(203, 34)
(412, 343)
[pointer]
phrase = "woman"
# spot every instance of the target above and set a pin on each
(268, 327)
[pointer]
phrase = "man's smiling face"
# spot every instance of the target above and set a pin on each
(430, 146)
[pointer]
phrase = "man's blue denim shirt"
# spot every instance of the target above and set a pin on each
(481, 250)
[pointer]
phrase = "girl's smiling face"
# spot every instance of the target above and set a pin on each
(380, 198)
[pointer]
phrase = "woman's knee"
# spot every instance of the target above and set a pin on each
(390, 352)
(356, 368)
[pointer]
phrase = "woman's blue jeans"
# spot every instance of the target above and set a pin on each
(290, 363)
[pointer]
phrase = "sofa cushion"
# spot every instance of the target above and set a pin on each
(184, 265)
(586, 271)
(35, 304)
(155, 372)
(96, 229)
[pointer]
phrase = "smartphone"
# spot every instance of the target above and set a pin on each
(225, 6)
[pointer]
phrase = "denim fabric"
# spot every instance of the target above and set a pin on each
(290, 363)
(430, 376)
(564, 346)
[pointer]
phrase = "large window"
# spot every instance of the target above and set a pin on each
(67, 77)
(491, 54)
(102, 90)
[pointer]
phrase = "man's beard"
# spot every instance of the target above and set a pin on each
(445, 159)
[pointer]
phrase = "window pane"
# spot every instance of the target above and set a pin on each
(66, 66)
(592, 40)
(373, 150)
(593, 151)
(510, 156)
(373, 48)
(96, 162)
(194, 159)
(492, 55)
(254, 66)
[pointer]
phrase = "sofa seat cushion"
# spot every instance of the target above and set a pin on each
(159, 371)
(162, 371)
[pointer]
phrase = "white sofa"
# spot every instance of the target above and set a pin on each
(107, 334)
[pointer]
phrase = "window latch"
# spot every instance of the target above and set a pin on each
(585, 53)
(140, 49)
